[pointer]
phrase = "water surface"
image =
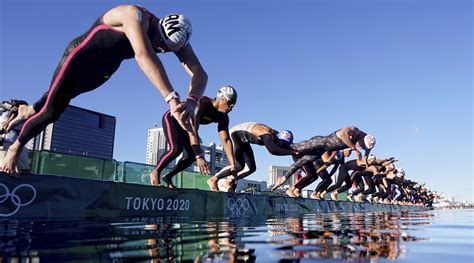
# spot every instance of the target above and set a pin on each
(428, 236)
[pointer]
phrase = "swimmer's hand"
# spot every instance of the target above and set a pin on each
(188, 109)
(181, 113)
(203, 166)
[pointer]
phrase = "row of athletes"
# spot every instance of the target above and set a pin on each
(372, 174)
(379, 179)
(130, 31)
(125, 32)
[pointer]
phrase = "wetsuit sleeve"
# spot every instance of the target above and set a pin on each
(194, 138)
(201, 108)
(300, 163)
(354, 132)
(334, 169)
(336, 165)
(367, 152)
(273, 147)
(223, 123)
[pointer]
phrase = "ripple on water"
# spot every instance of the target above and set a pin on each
(434, 236)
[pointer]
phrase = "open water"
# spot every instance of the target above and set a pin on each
(428, 236)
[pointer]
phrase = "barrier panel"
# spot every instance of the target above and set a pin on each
(51, 163)
(47, 196)
(45, 162)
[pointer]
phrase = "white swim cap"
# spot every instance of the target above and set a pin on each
(401, 172)
(390, 167)
(285, 136)
(227, 92)
(371, 158)
(369, 141)
(176, 30)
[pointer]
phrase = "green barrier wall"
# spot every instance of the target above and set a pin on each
(45, 162)
(136, 173)
(192, 180)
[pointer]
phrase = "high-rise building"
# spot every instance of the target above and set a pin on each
(156, 145)
(251, 185)
(276, 172)
(216, 157)
(79, 132)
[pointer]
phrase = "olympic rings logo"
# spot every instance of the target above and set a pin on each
(15, 198)
(238, 207)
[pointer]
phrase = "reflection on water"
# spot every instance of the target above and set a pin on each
(350, 236)
(344, 236)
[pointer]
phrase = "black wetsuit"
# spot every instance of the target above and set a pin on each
(311, 149)
(343, 176)
(242, 138)
(306, 163)
(327, 143)
(88, 61)
(320, 143)
(378, 180)
(178, 138)
(324, 175)
(360, 178)
(382, 191)
(310, 171)
(400, 183)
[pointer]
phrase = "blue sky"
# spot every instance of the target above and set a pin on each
(400, 70)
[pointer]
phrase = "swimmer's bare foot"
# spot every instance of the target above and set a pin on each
(315, 195)
(279, 183)
(289, 192)
(356, 199)
(212, 182)
(169, 182)
(322, 195)
(361, 198)
(369, 199)
(24, 112)
(334, 196)
(155, 179)
(297, 192)
(10, 165)
(349, 197)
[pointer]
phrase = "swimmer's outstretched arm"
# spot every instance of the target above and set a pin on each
(275, 149)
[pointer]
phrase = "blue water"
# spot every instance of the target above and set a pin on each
(429, 236)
